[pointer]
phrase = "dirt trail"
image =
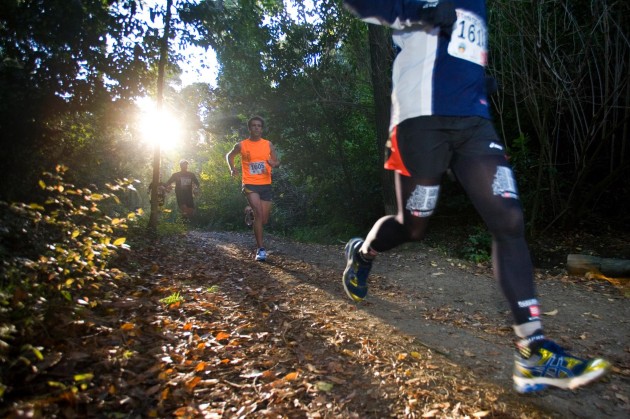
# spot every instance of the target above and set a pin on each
(457, 312)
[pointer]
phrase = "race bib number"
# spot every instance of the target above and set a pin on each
(469, 40)
(257, 168)
(186, 181)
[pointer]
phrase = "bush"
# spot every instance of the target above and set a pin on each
(50, 252)
(478, 246)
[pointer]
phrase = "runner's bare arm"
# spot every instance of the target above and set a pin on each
(229, 157)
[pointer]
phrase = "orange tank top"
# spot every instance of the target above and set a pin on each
(254, 156)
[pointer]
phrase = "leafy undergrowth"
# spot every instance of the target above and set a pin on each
(201, 330)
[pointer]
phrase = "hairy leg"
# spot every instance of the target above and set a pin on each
(259, 213)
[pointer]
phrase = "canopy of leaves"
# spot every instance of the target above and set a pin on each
(70, 69)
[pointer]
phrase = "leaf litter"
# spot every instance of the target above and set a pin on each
(250, 339)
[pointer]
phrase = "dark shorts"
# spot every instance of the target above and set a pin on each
(185, 199)
(264, 191)
(425, 146)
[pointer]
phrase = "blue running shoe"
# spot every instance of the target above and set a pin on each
(357, 270)
(540, 363)
(261, 255)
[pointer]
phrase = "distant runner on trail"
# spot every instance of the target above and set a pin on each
(258, 157)
(184, 181)
(440, 120)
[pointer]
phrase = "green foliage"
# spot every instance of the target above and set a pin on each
(172, 299)
(221, 202)
(172, 226)
(478, 246)
(67, 75)
(66, 86)
(525, 166)
(52, 251)
(70, 235)
(564, 82)
(317, 102)
(520, 154)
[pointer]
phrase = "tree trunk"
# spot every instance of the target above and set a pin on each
(153, 219)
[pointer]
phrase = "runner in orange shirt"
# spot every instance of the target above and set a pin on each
(258, 157)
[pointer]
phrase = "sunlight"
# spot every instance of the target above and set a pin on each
(158, 127)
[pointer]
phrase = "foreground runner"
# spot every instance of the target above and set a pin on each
(258, 156)
(440, 119)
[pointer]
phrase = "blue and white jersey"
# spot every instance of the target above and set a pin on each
(433, 74)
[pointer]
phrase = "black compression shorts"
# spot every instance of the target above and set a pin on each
(424, 146)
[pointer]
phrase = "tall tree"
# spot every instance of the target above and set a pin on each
(65, 72)
(153, 220)
(295, 69)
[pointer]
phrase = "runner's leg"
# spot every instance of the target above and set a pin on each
(489, 183)
(257, 205)
(266, 211)
(411, 221)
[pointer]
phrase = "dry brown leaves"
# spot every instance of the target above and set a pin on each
(243, 339)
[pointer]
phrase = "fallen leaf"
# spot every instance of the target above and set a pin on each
(192, 383)
(324, 386)
(291, 376)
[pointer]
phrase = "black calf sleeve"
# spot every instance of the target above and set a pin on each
(386, 234)
(513, 269)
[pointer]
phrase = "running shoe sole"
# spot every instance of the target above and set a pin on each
(597, 368)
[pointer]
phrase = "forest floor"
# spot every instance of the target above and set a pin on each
(202, 330)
